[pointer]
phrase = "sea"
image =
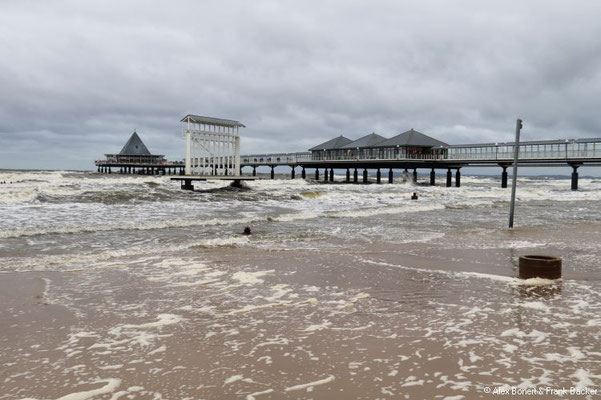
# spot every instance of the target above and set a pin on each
(127, 287)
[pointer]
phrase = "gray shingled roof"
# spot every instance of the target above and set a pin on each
(370, 140)
(335, 143)
(134, 147)
(198, 119)
(412, 138)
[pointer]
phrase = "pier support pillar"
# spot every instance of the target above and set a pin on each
(293, 173)
(187, 184)
(348, 175)
(504, 177)
(458, 178)
(163, 171)
(98, 169)
(355, 176)
(449, 177)
(390, 176)
(378, 176)
(109, 170)
(414, 175)
(331, 174)
(432, 177)
(303, 173)
(575, 177)
(364, 175)
(325, 175)
(254, 171)
(272, 173)
(316, 174)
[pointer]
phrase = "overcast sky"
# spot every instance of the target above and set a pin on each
(77, 77)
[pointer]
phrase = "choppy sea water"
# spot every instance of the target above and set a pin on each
(342, 291)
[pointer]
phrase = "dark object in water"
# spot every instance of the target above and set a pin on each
(247, 231)
(414, 196)
(535, 266)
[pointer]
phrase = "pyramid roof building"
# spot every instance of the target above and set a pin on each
(331, 144)
(412, 138)
(134, 147)
(370, 140)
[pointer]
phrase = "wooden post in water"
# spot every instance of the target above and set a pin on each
(516, 153)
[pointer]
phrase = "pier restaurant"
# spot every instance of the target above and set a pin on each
(406, 145)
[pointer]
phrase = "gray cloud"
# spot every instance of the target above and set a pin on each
(77, 77)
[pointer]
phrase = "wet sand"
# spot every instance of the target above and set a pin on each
(363, 320)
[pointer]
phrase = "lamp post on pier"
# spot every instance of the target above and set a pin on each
(516, 153)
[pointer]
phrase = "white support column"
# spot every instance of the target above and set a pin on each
(203, 153)
(237, 154)
(188, 152)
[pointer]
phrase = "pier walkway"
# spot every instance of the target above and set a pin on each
(547, 153)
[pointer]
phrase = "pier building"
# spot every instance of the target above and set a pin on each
(135, 158)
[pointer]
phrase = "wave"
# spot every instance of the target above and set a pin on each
(152, 225)
(368, 212)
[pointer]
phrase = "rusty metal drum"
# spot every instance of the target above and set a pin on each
(538, 266)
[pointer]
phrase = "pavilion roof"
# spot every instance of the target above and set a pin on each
(371, 140)
(199, 119)
(412, 138)
(335, 143)
(134, 147)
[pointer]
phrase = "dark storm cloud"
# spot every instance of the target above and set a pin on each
(77, 77)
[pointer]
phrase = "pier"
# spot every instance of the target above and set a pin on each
(411, 151)
(135, 158)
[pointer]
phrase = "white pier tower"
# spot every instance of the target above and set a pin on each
(212, 146)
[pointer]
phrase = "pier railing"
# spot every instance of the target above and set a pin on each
(108, 162)
(276, 158)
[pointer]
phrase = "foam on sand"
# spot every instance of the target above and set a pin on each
(162, 320)
(252, 396)
(310, 385)
(250, 278)
(111, 385)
